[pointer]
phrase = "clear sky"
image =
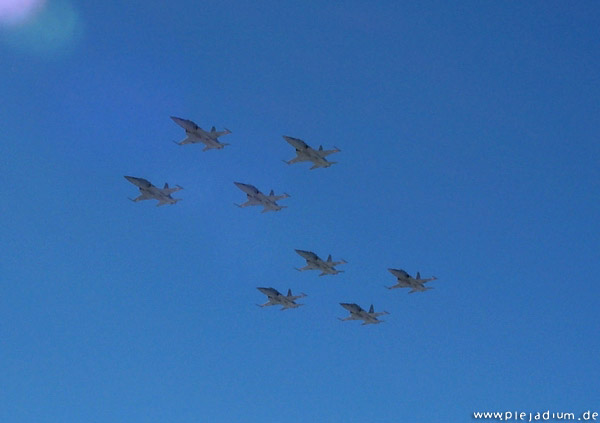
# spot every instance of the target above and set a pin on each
(469, 137)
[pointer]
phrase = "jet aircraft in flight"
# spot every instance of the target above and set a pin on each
(314, 262)
(305, 153)
(357, 313)
(257, 198)
(195, 134)
(150, 192)
(407, 281)
(276, 298)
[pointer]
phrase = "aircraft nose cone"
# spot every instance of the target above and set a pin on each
(188, 125)
(133, 180)
(291, 140)
(140, 182)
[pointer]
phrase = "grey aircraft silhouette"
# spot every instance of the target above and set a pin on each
(357, 313)
(314, 262)
(257, 198)
(407, 281)
(150, 192)
(195, 134)
(305, 153)
(276, 298)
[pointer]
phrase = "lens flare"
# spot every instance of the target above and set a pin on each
(51, 30)
(15, 12)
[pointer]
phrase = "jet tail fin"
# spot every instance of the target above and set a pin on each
(329, 259)
(213, 129)
(371, 310)
(272, 193)
(418, 275)
(289, 294)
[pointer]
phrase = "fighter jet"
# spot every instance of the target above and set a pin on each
(195, 134)
(357, 313)
(276, 298)
(257, 198)
(407, 281)
(305, 153)
(314, 262)
(150, 192)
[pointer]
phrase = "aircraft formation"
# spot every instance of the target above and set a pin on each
(304, 153)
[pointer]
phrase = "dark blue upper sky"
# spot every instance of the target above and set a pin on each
(469, 138)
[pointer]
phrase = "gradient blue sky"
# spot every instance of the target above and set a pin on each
(469, 138)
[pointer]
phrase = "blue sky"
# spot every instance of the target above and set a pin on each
(469, 138)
